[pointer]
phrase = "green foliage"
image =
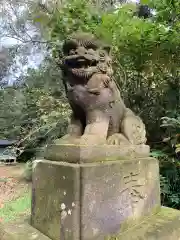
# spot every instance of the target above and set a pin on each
(167, 12)
(10, 112)
(170, 175)
(16, 208)
(169, 156)
(36, 111)
(6, 60)
(64, 19)
(46, 112)
(172, 126)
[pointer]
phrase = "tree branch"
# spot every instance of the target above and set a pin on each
(27, 41)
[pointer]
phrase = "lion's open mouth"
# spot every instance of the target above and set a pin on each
(80, 66)
(79, 62)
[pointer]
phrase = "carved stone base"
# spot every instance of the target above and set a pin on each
(90, 201)
(94, 153)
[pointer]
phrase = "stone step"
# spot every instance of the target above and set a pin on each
(165, 225)
(20, 230)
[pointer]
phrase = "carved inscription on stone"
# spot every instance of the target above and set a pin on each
(131, 183)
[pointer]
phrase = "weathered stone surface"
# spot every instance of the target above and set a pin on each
(165, 225)
(94, 153)
(55, 199)
(115, 193)
(20, 231)
(93, 200)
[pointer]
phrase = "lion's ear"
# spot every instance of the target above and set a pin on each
(69, 45)
(107, 48)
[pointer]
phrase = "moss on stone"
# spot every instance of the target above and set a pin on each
(164, 225)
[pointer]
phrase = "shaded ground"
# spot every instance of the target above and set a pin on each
(14, 191)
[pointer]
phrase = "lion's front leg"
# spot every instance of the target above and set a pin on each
(97, 124)
(74, 131)
(75, 128)
(117, 139)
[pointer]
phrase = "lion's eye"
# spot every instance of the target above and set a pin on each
(72, 52)
(102, 54)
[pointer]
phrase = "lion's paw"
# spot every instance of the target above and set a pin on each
(117, 139)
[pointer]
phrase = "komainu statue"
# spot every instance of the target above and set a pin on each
(99, 116)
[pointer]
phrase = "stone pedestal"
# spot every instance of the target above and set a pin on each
(93, 200)
(96, 201)
(94, 153)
